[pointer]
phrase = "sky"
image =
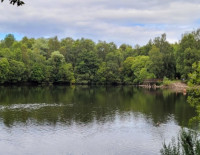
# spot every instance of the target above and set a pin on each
(120, 21)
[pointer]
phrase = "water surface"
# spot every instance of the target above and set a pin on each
(89, 120)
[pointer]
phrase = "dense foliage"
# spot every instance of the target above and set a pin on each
(195, 75)
(86, 62)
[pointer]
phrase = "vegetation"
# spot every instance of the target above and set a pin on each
(187, 144)
(188, 68)
(166, 81)
(86, 62)
(18, 2)
(195, 75)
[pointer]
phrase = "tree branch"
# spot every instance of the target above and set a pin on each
(17, 2)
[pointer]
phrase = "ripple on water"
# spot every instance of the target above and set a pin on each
(31, 106)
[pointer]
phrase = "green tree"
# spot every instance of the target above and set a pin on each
(145, 74)
(194, 77)
(139, 67)
(39, 73)
(86, 67)
(126, 50)
(169, 64)
(156, 63)
(144, 50)
(114, 61)
(53, 44)
(24, 51)
(115, 57)
(108, 73)
(66, 49)
(28, 42)
(188, 49)
(78, 47)
(55, 61)
(128, 74)
(101, 76)
(190, 56)
(7, 53)
(104, 48)
(113, 73)
(9, 40)
(4, 69)
(41, 45)
(66, 74)
(16, 71)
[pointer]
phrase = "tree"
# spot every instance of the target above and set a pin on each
(38, 73)
(4, 69)
(104, 48)
(101, 73)
(145, 74)
(55, 62)
(24, 51)
(113, 72)
(16, 70)
(108, 73)
(128, 74)
(87, 66)
(38, 69)
(18, 2)
(139, 67)
(126, 50)
(115, 57)
(168, 56)
(8, 40)
(194, 77)
(7, 53)
(41, 45)
(28, 42)
(66, 48)
(156, 64)
(127, 66)
(53, 44)
(190, 56)
(187, 54)
(66, 73)
(114, 61)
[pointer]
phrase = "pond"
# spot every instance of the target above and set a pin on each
(88, 120)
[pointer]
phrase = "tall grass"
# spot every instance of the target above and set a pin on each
(187, 143)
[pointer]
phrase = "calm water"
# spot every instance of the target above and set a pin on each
(86, 120)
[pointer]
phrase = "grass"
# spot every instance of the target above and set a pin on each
(187, 143)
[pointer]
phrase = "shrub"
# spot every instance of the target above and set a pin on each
(166, 81)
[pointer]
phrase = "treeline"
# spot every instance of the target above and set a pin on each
(86, 62)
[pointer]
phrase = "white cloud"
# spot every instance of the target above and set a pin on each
(120, 21)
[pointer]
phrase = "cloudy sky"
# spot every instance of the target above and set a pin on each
(121, 21)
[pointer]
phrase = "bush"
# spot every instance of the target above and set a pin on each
(166, 81)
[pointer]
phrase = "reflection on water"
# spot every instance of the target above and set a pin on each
(28, 106)
(89, 120)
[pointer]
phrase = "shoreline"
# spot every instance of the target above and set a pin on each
(175, 86)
